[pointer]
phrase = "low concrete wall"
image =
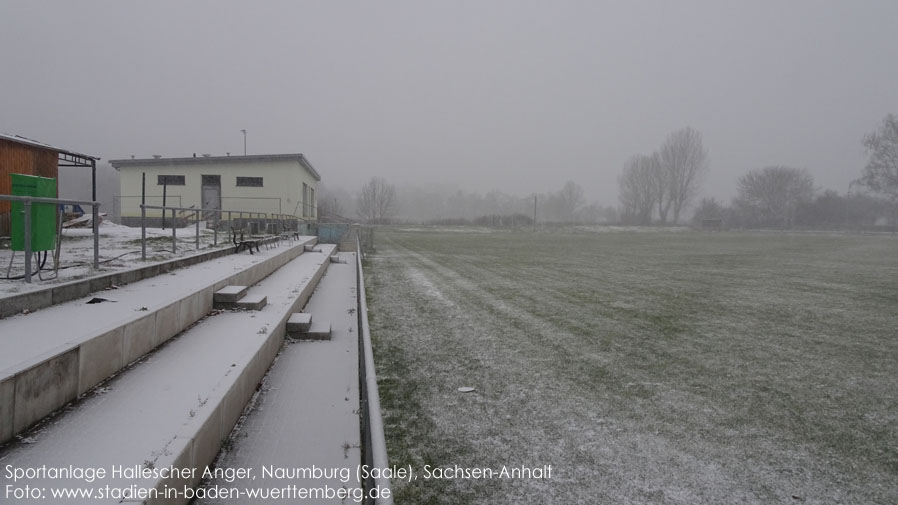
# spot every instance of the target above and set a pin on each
(46, 383)
(42, 298)
(43, 388)
(198, 448)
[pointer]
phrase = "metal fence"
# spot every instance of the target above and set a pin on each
(374, 443)
(27, 201)
(255, 222)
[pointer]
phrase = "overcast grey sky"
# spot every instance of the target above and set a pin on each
(513, 95)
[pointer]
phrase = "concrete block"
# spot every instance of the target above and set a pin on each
(167, 325)
(7, 398)
(243, 278)
(248, 385)
(257, 367)
(153, 270)
(69, 291)
(183, 447)
(99, 283)
(140, 338)
(229, 294)
(99, 358)
(44, 388)
(310, 248)
(274, 347)
(252, 302)
(194, 306)
(232, 406)
(317, 331)
(299, 322)
(187, 310)
(129, 276)
(206, 300)
(207, 441)
(32, 301)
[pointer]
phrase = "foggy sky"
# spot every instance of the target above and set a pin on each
(517, 95)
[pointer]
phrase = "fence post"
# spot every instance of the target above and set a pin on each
(143, 232)
(96, 220)
(215, 229)
(27, 207)
(173, 228)
(197, 231)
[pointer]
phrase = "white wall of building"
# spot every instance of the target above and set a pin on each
(281, 191)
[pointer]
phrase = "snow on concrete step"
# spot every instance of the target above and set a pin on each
(252, 302)
(299, 322)
(230, 294)
(318, 330)
(311, 248)
(308, 413)
(175, 407)
(82, 344)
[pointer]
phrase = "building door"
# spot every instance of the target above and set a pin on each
(211, 196)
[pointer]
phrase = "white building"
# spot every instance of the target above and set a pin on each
(271, 183)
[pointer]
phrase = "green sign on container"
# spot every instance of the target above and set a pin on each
(43, 215)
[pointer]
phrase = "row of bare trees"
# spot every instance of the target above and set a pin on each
(657, 187)
(375, 202)
(783, 197)
(664, 183)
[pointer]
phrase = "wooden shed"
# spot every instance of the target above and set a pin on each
(20, 155)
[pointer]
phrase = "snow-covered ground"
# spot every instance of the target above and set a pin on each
(119, 250)
(667, 367)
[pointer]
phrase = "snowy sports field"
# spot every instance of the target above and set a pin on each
(669, 367)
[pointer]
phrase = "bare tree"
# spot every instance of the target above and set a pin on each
(770, 196)
(661, 181)
(330, 207)
(881, 172)
(570, 200)
(377, 201)
(638, 193)
(684, 163)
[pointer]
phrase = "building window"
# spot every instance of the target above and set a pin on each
(255, 182)
(305, 200)
(170, 180)
(312, 206)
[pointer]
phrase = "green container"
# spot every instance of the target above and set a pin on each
(43, 215)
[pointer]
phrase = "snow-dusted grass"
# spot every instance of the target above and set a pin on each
(659, 367)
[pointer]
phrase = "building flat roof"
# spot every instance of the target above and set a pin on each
(208, 160)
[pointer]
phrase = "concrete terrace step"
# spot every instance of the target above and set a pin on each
(299, 322)
(174, 408)
(229, 294)
(317, 331)
(252, 302)
(56, 294)
(307, 413)
(49, 358)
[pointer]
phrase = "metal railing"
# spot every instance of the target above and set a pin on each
(28, 200)
(375, 445)
(199, 214)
